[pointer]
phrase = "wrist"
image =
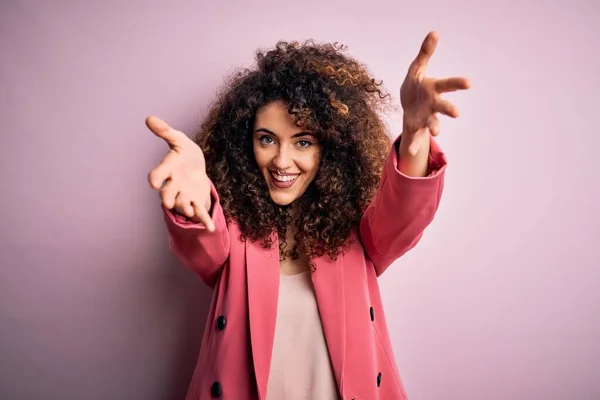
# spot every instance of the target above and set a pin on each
(414, 165)
(421, 141)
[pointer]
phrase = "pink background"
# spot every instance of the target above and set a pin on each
(499, 301)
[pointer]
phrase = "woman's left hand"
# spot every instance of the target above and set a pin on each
(421, 100)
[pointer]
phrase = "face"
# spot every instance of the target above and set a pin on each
(287, 156)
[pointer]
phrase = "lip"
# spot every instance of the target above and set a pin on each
(283, 185)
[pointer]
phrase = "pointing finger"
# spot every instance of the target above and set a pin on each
(451, 84)
(418, 66)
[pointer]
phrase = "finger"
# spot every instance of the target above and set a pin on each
(184, 205)
(203, 215)
(433, 123)
(415, 146)
(161, 129)
(451, 84)
(168, 194)
(163, 171)
(418, 66)
(445, 107)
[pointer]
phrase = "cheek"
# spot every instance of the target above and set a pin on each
(261, 156)
(310, 163)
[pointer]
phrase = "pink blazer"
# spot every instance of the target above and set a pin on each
(236, 346)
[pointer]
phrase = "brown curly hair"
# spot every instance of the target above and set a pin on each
(327, 92)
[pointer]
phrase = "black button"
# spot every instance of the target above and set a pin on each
(221, 322)
(216, 390)
(379, 379)
(372, 312)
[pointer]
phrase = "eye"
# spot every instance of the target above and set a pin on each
(266, 140)
(303, 144)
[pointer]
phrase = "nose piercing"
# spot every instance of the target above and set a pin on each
(281, 172)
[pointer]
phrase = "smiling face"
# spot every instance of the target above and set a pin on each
(287, 156)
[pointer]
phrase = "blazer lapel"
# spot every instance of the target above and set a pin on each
(328, 281)
(262, 266)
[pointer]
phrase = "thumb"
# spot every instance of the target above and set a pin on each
(161, 129)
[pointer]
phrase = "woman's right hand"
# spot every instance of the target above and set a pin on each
(181, 176)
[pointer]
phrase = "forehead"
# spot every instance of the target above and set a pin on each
(274, 116)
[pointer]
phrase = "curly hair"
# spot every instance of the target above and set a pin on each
(332, 95)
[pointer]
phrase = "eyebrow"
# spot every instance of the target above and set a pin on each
(304, 133)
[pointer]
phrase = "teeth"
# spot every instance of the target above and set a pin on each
(284, 178)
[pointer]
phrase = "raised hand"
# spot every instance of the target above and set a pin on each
(421, 98)
(181, 176)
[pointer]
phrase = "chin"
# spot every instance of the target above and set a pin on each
(282, 200)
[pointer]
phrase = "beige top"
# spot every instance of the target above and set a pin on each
(300, 365)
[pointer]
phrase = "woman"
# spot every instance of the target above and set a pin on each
(289, 204)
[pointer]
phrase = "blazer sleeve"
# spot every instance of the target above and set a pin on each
(202, 251)
(403, 207)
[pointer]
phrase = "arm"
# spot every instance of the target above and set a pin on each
(202, 251)
(403, 207)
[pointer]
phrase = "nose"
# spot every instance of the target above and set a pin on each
(282, 160)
